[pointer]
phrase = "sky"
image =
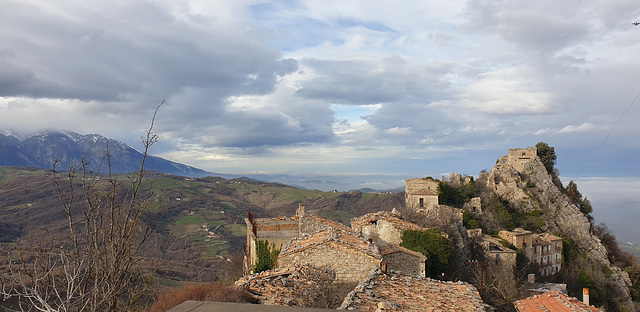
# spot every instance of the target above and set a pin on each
(378, 90)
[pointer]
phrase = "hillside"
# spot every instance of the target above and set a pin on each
(198, 222)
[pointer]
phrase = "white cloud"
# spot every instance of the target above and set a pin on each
(398, 130)
(585, 127)
(508, 91)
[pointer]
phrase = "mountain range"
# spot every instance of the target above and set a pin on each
(41, 149)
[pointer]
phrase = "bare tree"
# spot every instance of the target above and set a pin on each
(96, 267)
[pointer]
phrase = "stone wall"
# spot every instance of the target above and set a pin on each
(349, 265)
(405, 263)
(382, 232)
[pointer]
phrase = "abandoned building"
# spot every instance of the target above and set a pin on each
(543, 249)
(349, 256)
(517, 157)
(383, 227)
(421, 194)
(400, 259)
(280, 231)
(393, 291)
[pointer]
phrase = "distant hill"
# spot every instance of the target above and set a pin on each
(42, 148)
(181, 206)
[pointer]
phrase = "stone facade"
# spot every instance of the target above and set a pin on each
(543, 249)
(400, 259)
(349, 256)
(421, 194)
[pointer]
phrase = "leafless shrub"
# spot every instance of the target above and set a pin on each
(95, 267)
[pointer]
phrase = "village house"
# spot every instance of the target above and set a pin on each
(421, 194)
(400, 259)
(394, 291)
(349, 256)
(543, 249)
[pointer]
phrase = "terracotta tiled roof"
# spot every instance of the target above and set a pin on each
(390, 249)
(387, 216)
(290, 285)
(399, 292)
(348, 239)
(553, 301)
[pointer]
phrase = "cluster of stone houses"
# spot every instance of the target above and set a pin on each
(544, 249)
(368, 254)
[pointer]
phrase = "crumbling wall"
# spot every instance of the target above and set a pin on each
(349, 265)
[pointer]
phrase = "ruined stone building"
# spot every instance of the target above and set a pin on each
(543, 249)
(349, 256)
(421, 194)
(385, 228)
(280, 231)
(517, 157)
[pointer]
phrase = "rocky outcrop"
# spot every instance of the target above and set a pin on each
(528, 186)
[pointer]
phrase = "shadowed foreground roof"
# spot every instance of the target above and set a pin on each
(292, 285)
(208, 306)
(398, 292)
(552, 301)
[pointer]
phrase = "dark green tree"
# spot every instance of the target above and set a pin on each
(434, 246)
(267, 256)
(576, 198)
(547, 155)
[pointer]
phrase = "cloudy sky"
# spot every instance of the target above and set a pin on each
(354, 88)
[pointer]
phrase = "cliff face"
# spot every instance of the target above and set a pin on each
(528, 186)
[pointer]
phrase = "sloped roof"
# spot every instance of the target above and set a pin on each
(391, 249)
(289, 285)
(549, 237)
(387, 216)
(327, 222)
(347, 238)
(399, 292)
(552, 301)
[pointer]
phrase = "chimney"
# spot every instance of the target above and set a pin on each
(531, 278)
(585, 296)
